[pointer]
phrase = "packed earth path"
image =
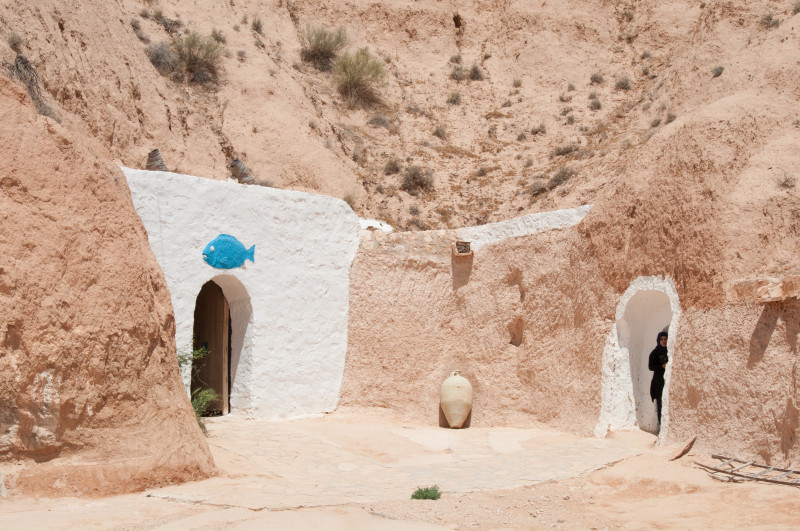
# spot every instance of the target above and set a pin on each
(356, 469)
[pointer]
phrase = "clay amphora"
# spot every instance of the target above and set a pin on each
(456, 399)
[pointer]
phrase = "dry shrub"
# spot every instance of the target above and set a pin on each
(475, 73)
(392, 167)
(417, 180)
(456, 59)
(198, 58)
(596, 78)
(458, 73)
(769, 21)
(379, 121)
(320, 46)
(566, 149)
(257, 26)
(539, 130)
(440, 132)
(623, 83)
(218, 36)
(169, 24)
(454, 99)
(15, 42)
(561, 176)
(161, 57)
(357, 77)
(595, 105)
(25, 72)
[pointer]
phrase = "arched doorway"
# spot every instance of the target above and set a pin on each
(648, 306)
(212, 330)
(647, 314)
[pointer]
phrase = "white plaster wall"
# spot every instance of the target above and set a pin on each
(482, 235)
(645, 308)
(289, 309)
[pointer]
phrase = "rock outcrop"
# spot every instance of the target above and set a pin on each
(91, 400)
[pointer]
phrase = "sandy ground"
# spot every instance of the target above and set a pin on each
(357, 469)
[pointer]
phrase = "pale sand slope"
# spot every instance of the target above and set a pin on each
(355, 470)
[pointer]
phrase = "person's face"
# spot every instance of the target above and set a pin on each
(663, 341)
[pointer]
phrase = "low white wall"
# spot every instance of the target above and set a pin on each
(483, 235)
(289, 309)
(649, 304)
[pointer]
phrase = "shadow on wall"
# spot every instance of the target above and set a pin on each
(765, 327)
(646, 314)
(462, 268)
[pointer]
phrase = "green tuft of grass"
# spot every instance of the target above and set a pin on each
(320, 46)
(357, 77)
(427, 493)
(198, 58)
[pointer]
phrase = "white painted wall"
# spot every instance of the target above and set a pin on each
(482, 235)
(289, 309)
(647, 306)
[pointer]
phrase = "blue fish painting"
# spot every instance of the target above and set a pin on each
(226, 252)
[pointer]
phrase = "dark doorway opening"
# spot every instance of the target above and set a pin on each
(212, 330)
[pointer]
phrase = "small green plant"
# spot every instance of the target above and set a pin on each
(427, 493)
(416, 180)
(475, 73)
(623, 83)
(454, 99)
(717, 71)
(198, 58)
(357, 77)
(201, 397)
(596, 78)
(257, 26)
(320, 46)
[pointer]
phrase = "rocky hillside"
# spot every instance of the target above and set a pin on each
(567, 98)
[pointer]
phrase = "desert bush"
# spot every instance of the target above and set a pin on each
(135, 24)
(595, 105)
(671, 117)
(456, 59)
(717, 71)
(646, 54)
(416, 180)
(522, 137)
(413, 210)
(563, 98)
(596, 78)
(482, 171)
(570, 119)
(623, 83)
(198, 58)
(454, 99)
(144, 13)
(257, 26)
(320, 46)
(169, 24)
(517, 83)
(561, 176)
(475, 73)
(570, 87)
(539, 129)
(440, 132)
(506, 103)
(769, 21)
(656, 122)
(786, 180)
(458, 73)
(218, 36)
(25, 72)
(538, 188)
(392, 166)
(566, 149)
(593, 95)
(161, 57)
(15, 42)
(566, 110)
(426, 493)
(379, 121)
(357, 77)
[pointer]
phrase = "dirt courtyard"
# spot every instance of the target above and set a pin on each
(356, 469)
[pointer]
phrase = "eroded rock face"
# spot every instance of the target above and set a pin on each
(90, 394)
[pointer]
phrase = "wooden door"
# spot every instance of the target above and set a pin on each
(211, 329)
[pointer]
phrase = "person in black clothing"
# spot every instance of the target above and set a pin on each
(658, 363)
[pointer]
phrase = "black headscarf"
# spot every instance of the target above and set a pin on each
(662, 351)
